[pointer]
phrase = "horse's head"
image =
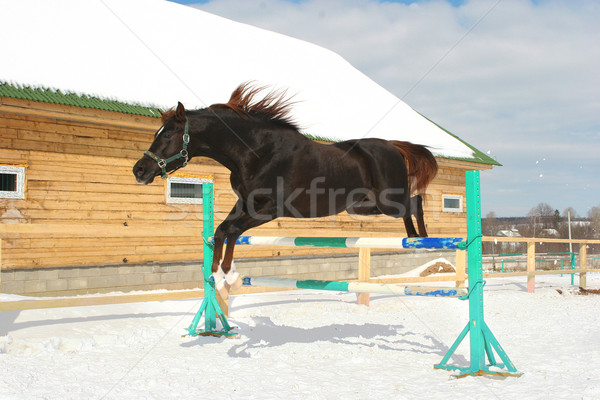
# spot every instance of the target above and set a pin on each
(168, 151)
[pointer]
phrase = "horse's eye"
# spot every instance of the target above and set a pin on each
(167, 136)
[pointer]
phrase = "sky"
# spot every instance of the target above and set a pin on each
(518, 79)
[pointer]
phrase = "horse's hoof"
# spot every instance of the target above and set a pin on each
(224, 291)
(232, 277)
(221, 284)
(222, 287)
(238, 283)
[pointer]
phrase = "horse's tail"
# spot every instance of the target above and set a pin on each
(422, 166)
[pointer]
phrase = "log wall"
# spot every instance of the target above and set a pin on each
(78, 171)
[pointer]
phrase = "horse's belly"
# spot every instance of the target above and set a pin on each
(320, 200)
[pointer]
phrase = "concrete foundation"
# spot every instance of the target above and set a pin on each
(70, 281)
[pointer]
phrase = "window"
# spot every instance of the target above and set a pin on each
(12, 182)
(185, 190)
(452, 203)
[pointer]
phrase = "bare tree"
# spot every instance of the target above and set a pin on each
(571, 210)
(489, 225)
(594, 216)
(539, 216)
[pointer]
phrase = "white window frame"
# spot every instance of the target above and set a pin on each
(20, 173)
(181, 179)
(452, 197)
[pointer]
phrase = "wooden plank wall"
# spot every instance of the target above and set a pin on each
(79, 166)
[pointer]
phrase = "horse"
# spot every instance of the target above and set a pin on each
(278, 172)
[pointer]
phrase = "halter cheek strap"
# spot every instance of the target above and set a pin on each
(162, 163)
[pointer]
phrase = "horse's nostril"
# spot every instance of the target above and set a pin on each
(139, 171)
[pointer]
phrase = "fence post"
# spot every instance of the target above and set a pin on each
(0, 269)
(364, 273)
(223, 303)
(582, 264)
(531, 267)
(461, 264)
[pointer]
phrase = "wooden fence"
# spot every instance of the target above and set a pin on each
(95, 230)
(364, 275)
(531, 271)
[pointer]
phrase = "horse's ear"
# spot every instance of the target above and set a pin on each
(180, 112)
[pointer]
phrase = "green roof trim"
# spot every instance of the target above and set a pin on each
(54, 96)
(321, 138)
(478, 156)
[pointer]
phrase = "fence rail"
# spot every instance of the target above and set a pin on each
(531, 271)
(119, 230)
(538, 240)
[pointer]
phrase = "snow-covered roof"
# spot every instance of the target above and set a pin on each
(155, 52)
(509, 233)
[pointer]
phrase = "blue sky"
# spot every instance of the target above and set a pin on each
(518, 79)
(453, 2)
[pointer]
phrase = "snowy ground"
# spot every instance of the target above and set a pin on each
(305, 345)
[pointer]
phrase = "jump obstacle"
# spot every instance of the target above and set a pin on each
(482, 341)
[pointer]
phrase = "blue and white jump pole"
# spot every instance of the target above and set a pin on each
(353, 242)
(355, 287)
(482, 341)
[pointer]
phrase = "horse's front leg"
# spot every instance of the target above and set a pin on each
(220, 235)
(232, 278)
(222, 275)
(218, 249)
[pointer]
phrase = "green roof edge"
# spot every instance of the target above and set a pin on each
(478, 156)
(56, 96)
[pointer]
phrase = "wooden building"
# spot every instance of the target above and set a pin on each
(66, 161)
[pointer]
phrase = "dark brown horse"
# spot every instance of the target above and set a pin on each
(278, 172)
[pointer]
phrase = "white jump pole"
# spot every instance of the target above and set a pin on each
(355, 287)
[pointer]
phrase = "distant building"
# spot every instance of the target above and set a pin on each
(508, 247)
(549, 233)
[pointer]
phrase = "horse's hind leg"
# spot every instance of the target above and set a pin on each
(366, 206)
(416, 209)
(409, 226)
(396, 203)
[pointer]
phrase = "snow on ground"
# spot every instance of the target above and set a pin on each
(418, 270)
(305, 345)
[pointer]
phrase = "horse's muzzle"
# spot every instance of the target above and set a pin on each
(144, 173)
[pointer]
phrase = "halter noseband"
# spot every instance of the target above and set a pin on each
(162, 163)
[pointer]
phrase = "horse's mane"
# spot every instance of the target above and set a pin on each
(275, 106)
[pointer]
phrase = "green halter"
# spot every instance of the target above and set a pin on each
(162, 163)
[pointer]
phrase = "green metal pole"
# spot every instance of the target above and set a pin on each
(208, 226)
(208, 229)
(210, 307)
(474, 252)
(482, 341)
(573, 266)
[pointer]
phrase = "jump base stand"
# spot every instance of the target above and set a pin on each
(210, 307)
(482, 341)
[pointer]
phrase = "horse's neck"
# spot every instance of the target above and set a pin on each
(229, 146)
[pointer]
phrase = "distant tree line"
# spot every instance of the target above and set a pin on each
(545, 222)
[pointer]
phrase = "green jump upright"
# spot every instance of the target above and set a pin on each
(210, 307)
(482, 340)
